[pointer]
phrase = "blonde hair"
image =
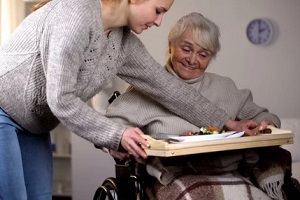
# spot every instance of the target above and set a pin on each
(205, 31)
(39, 5)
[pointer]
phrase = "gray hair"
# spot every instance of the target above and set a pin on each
(205, 31)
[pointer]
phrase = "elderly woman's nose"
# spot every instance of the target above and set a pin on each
(191, 58)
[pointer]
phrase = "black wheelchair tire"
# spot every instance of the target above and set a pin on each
(106, 189)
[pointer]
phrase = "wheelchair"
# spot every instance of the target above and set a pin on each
(128, 183)
(131, 181)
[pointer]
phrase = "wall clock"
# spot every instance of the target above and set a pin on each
(260, 31)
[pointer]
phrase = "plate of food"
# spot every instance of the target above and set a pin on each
(209, 133)
(197, 138)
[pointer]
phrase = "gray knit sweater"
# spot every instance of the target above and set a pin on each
(135, 109)
(59, 57)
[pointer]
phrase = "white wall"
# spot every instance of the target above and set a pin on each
(272, 72)
(12, 12)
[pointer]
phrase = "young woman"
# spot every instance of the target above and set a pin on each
(59, 57)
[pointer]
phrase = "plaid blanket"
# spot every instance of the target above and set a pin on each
(194, 187)
(243, 174)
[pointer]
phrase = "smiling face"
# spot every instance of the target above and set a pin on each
(143, 14)
(189, 60)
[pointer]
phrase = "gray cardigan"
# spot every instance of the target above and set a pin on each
(135, 109)
(59, 57)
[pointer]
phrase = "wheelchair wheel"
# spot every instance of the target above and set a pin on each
(135, 183)
(108, 190)
(139, 187)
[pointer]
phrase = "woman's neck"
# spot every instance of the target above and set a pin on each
(114, 15)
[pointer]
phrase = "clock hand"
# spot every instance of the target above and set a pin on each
(259, 27)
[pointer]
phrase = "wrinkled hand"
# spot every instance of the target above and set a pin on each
(245, 125)
(261, 127)
(132, 141)
(250, 127)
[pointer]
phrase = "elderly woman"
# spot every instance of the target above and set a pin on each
(193, 43)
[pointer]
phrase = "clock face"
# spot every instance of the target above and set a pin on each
(259, 31)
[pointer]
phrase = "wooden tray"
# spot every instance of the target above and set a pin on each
(162, 148)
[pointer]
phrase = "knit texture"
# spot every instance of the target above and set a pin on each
(135, 109)
(59, 57)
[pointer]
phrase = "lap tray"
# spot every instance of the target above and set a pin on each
(162, 148)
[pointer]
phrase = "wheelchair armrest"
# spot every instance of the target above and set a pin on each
(113, 96)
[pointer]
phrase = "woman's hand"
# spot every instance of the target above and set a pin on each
(250, 127)
(244, 125)
(262, 127)
(132, 142)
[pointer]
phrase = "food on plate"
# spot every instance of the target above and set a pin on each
(203, 131)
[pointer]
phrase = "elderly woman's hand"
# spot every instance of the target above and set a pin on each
(262, 127)
(244, 125)
(250, 127)
(132, 141)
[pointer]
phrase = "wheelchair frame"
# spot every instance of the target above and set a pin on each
(131, 180)
(127, 185)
